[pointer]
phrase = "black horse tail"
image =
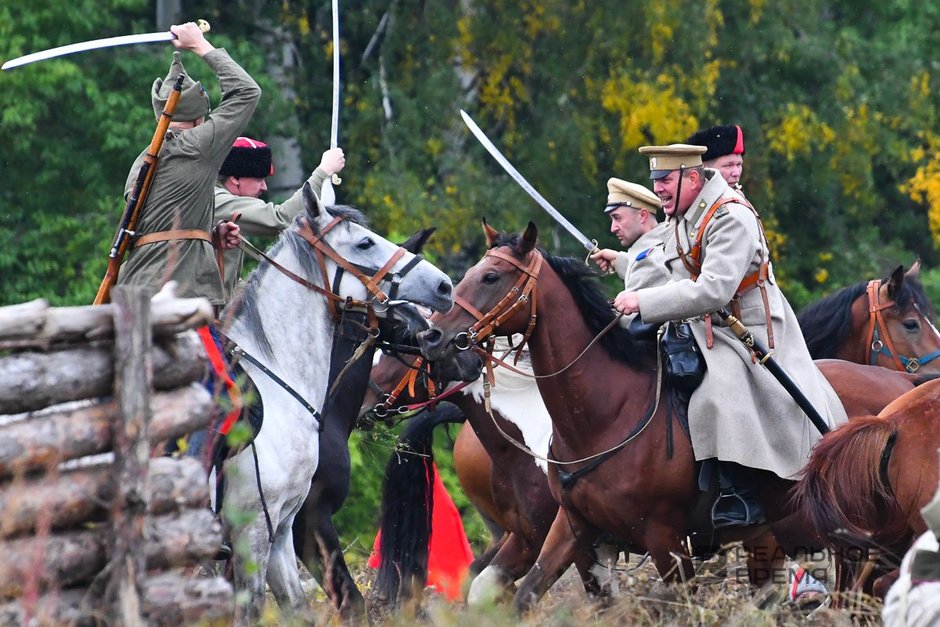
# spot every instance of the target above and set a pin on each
(407, 502)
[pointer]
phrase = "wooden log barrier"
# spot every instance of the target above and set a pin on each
(35, 380)
(38, 442)
(37, 325)
(78, 496)
(76, 557)
(170, 598)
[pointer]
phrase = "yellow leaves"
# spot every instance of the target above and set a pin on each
(924, 186)
(757, 10)
(821, 276)
(648, 112)
(799, 132)
(434, 146)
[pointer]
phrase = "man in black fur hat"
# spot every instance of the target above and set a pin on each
(240, 184)
(725, 151)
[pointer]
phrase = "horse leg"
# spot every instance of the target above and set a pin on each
(561, 548)
(337, 581)
(282, 572)
(765, 559)
(249, 569)
(669, 553)
(513, 560)
(597, 572)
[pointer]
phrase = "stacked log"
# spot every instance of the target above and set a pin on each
(109, 538)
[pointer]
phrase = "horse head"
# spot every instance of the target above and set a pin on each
(495, 297)
(885, 322)
(362, 266)
(900, 333)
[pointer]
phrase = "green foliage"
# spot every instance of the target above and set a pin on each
(837, 99)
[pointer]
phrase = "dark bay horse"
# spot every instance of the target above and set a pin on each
(631, 472)
(880, 322)
(315, 538)
(866, 482)
(509, 484)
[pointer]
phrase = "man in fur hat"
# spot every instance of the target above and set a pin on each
(717, 256)
(240, 184)
(175, 234)
(724, 151)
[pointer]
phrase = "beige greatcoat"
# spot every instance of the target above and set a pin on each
(740, 413)
(258, 217)
(181, 194)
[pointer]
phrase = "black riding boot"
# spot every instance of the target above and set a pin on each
(737, 504)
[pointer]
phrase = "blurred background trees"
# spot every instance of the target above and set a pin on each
(837, 100)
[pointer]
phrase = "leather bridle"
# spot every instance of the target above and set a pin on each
(378, 302)
(879, 341)
(522, 292)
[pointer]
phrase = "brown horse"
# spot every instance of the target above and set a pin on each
(866, 482)
(631, 473)
(885, 323)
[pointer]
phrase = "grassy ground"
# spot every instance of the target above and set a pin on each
(722, 597)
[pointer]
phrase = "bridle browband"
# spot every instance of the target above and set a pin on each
(879, 341)
(523, 291)
(337, 304)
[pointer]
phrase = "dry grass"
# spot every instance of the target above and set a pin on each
(722, 597)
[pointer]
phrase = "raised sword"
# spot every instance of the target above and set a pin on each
(589, 244)
(95, 44)
(327, 194)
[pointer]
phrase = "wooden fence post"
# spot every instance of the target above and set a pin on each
(133, 370)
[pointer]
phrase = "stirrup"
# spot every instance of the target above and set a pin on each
(731, 509)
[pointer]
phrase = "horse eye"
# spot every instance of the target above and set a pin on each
(490, 277)
(912, 324)
(365, 244)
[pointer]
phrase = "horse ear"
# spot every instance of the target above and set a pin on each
(490, 233)
(914, 270)
(416, 242)
(311, 202)
(529, 238)
(895, 282)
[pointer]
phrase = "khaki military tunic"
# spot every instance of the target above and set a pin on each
(181, 195)
(643, 265)
(740, 413)
(258, 218)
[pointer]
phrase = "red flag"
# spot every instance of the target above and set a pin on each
(449, 556)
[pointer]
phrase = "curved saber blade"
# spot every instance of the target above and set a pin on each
(95, 44)
(334, 122)
(524, 184)
(327, 193)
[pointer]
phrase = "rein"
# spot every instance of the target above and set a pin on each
(526, 286)
(385, 407)
(484, 328)
(879, 341)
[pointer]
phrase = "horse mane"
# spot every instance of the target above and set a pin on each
(594, 305)
(827, 323)
(246, 302)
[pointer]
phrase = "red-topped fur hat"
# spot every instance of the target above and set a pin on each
(720, 141)
(248, 157)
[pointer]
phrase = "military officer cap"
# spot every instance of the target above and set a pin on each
(719, 141)
(665, 159)
(622, 193)
(194, 101)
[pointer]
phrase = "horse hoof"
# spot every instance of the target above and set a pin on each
(224, 552)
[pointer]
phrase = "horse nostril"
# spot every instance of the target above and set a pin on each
(445, 288)
(430, 339)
